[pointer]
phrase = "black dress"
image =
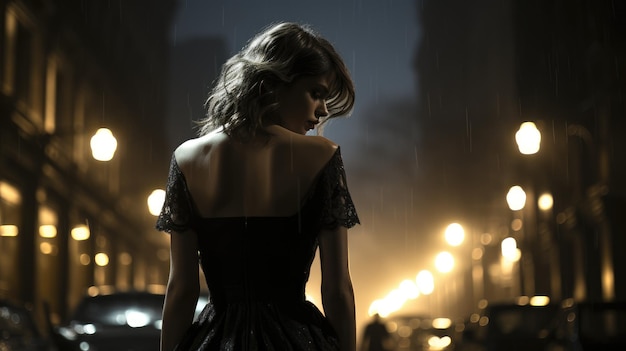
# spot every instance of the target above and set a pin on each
(256, 268)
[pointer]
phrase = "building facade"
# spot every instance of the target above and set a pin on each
(482, 69)
(71, 224)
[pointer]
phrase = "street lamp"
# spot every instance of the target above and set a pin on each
(103, 145)
(80, 232)
(545, 202)
(444, 262)
(455, 234)
(528, 138)
(510, 250)
(155, 201)
(516, 198)
(425, 282)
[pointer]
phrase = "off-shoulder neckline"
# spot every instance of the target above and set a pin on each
(306, 198)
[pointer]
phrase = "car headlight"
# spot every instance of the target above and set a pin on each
(88, 329)
(67, 333)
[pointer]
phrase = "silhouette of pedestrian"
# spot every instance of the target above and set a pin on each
(376, 337)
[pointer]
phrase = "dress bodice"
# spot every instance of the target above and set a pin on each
(256, 268)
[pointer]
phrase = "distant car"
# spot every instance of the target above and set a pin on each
(117, 321)
(590, 326)
(422, 333)
(514, 327)
(18, 331)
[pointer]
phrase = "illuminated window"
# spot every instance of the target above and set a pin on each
(10, 201)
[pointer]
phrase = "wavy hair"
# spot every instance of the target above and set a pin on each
(242, 95)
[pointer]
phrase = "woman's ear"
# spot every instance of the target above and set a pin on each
(269, 86)
(265, 87)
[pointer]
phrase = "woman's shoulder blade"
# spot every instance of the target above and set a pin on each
(191, 149)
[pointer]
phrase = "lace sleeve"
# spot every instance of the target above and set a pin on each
(338, 208)
(177, 211)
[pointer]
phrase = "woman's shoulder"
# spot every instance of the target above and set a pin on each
(197, 148)
(312, 147)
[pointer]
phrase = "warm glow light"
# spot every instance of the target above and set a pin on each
(47, 231)
(477, 253)
(516, 198)
(523, 300)
(444, 262)
(517, 224)
(510, 251)
(425, 282)
(101, 259)
(405, 331)
(103, 145)
(486, 238)
(539, 300)
(455, 234)
(80, 232)
(528, 138)
(545, 202)
(155, 201)
(409, 289)
(10, 194)
(508, 246)
(45, 248)
(389, 304)
(437, 343)
(47, 216)
(392, 302)
(125, 258)
(84, 259)
(9, 230)
(442, 323)
(375, 306)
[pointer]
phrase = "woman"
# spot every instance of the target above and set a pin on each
(255, 197)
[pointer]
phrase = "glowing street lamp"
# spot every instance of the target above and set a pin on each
(425, 282)
(455, 234)
(155, 201)
(80, 232)
(516, 198)
(528, 138)
(103, 145)
(509, 249)
(545, 202)
(444, 262)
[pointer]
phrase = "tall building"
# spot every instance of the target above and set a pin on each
(71, 224)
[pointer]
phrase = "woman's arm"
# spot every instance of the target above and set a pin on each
(183, 288)
(337, 291)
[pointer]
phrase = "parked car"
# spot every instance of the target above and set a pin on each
(118, 321)
(515, 327)
(590, 326)
(115, 322)
(18, 330)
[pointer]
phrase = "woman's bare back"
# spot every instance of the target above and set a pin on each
(259, 178)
